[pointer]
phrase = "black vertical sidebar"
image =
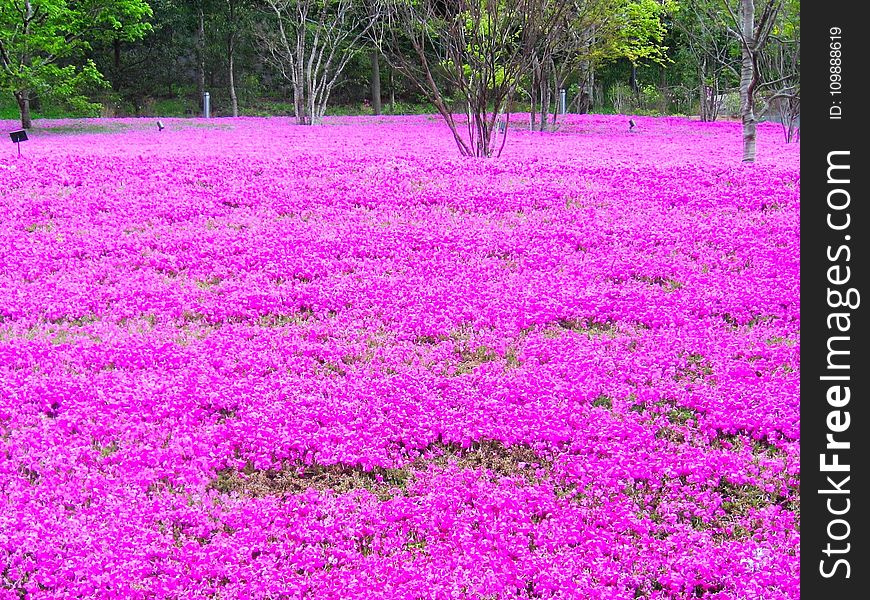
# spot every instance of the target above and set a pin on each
(835, 299)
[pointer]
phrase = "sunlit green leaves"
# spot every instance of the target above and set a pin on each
(42, 43)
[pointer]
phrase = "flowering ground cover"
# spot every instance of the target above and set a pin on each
(245, 359)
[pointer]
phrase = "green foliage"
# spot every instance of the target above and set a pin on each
(65, 85)
(636, 31)
(43, 42)
(789, 23)
(620, 96)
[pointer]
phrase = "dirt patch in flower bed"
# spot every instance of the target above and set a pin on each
(490, 457)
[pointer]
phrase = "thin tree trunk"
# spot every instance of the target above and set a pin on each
(663, 106)
(116, 51)
(376, 83)
(234, 99)
(584, 97)
(545, 102)
(392, 90)
(299, 103)
(533, 113)
(747, 114)
(299, 82)
(590, 79)
(482, 135)
(23, 99)
(748, 79)
(632, 80)
(558, 85)
(231, 59)
(200, 55)
(703, 113)
(713, 106)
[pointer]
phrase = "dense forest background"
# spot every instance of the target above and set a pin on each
(625, 56)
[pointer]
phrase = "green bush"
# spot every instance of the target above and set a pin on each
(731, 104)
(46, 110)
(619, 97)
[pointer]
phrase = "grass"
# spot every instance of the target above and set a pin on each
(78, 128)
(603, 401)
(740, 500)
(9, 111)
(697, 369)
(296, 479)
(384, 483)
(668, 284)
(471, 359)
(589, 327)
(107, 450)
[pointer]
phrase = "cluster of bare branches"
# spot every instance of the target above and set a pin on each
(310, 42)
(781, 81)
(574, 47)
(478, 50)
(712, 46)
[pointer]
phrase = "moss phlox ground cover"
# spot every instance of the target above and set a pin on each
(245, 359)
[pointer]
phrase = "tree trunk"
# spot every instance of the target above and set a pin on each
(533, 95)
(116, 52)
(545, 102)
(532, 109)
(663, 106)
(590, 78)
(483, 137)
(748, 80)
(200, 55)
(299, 107)
(584, 103)
(703, 109)
(392, 91)
(23, 96)
(231, 76)
(320, 107)
(299, 103)
(747, 114)
(590, 92)
(376, 83)
(702, 97)
(231, 59)
(23, 99)
(234, 99)
(557, 102)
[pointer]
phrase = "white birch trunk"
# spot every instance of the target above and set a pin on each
(748, 78)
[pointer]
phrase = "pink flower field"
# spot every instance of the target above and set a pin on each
(243, 359)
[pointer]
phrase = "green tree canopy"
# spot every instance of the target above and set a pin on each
(42, 43)
(634, 30)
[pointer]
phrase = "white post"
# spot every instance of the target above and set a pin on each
(206, 105)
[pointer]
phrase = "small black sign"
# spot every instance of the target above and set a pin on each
(18, 136)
